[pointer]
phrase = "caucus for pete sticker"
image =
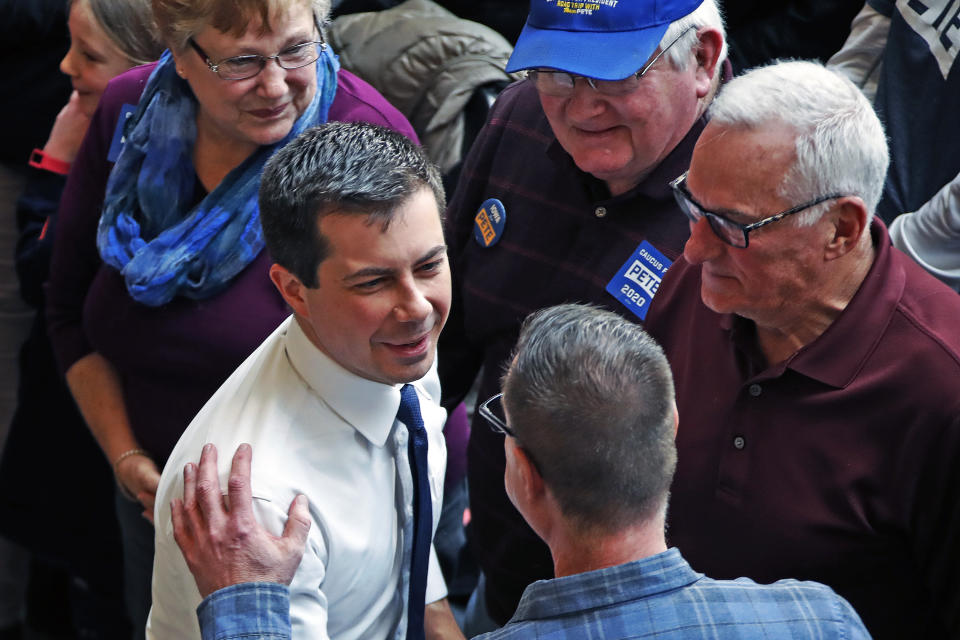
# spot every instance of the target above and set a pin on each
(489, 222)
(638, 280)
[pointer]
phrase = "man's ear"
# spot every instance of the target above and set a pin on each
(531, 479)
(291, 288)
(527, 490)
(708, 55)
(849, 219)
(527, 480)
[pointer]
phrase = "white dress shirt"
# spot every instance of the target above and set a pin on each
(319, 430)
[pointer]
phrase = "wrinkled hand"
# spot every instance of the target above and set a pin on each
(139, 476)
(225, 545)
(68, 131)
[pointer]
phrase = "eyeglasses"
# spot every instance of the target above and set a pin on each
(243, 67)
(496, 418)
(492, 410)
(560, 84)
(733, 233)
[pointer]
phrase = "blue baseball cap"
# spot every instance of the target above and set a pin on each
(603, 39)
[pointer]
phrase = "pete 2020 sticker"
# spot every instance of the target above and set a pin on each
(637, 281)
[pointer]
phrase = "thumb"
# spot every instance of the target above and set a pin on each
(298, 522)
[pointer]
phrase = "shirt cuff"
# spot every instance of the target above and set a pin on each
(258, 609)
(436, 586)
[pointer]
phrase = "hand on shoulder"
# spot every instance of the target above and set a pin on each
(225, 545)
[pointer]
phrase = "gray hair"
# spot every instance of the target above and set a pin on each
(338, 167)
(180, 20)
(840, 143)
(706, 15)
(590, 395)
(129, 25)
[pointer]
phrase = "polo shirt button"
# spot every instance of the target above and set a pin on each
(739, 443)
(755, 390)
(600, 212)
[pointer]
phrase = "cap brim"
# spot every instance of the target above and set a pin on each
(602, 55)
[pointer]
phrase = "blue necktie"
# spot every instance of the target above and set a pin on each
(409, 414)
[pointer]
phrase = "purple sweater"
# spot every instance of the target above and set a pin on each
(171, 358)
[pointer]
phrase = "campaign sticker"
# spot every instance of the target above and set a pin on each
(639, 278)
(118, 138)
(488, 223)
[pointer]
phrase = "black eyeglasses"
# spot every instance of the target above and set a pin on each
(492, 411)
(733, 233)
(247, 66)
(560, 84)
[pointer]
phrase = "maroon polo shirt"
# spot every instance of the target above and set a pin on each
(841, 464)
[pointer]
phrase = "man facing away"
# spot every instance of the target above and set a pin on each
(817, 367)
(565, 196)
(589, 418)
(340, 401)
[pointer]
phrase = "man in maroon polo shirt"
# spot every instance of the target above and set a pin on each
(817, 368)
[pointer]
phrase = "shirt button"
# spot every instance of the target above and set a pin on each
(739, 443)
(600, 212)
(755, 390)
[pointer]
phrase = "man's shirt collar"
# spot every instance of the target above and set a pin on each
(549, 599)
(369, 407)
(837, 355)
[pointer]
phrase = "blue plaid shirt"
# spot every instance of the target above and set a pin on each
(253, 610)
(657, 597)
(662, 597)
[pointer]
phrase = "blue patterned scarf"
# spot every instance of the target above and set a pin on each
(161, 251)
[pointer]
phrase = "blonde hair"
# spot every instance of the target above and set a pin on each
(180, 20)
(129, 25)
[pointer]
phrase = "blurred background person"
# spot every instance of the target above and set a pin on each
(159, 285)
(34, 39)
(760, 31)
(75, 560)
(504, 16)
(903, 56)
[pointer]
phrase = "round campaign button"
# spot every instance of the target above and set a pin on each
(489, 222)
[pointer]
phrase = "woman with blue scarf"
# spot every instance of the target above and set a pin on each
(159, 285)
